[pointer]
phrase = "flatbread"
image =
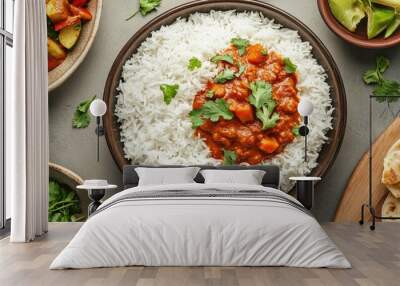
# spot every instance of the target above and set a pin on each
(391, 207)
(391, 170)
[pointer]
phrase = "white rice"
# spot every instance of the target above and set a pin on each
(156, 133)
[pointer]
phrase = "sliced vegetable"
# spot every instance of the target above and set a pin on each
(348, 12)
(169, 91)
(146, 6)
(81, 117)
(379, 18)
(52, 63)
(393, 26)
(244, 112)
(57, 10)
(70, 21)
(255, 54)
(70, 35)
(213, 110)
(224, 58)
(224, 76)
(194, 63)
(81, 11)
(390, 3)
(55, 50)
(229, 157)
(240, 44)
(290, 67)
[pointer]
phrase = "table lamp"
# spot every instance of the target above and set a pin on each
(305, 108)
(98, 108)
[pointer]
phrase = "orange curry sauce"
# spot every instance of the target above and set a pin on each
(243, 134)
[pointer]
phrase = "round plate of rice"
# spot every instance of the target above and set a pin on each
(164, 91)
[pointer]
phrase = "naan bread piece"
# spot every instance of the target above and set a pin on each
(391, 206)
(391, 170)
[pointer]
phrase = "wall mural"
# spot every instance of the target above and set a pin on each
(214, 88)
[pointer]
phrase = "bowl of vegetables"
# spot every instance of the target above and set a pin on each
(373, 24)
(71, 28)
(65, 202)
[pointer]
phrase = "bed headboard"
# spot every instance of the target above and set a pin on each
(271, 178)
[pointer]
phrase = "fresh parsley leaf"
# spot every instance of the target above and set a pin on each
(229, 157)
(196, 118)
(146, 6)
(213, 110)
(242, 69)
(240, 44)
(268, 119)
(194, 63)
(382, 64)
(376, 75)
(224, 58)
(210, 94)
(389, 90)
(81, 117)
(169, 92)
(290, 67)
(296, 131)
(50, 30)
(261, 93)
(224, 76)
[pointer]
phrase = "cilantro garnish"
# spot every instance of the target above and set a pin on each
(169, 92)
(224, 58)
(385, 90)
(224, 76)
(290, 67)
(242, 68)
(194, 63)
(240, 44)
(81, 117)
(146, 6)
(210, 94)
(229, 157)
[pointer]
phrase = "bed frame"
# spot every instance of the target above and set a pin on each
(271, 177)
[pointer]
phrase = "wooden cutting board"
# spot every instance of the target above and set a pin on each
(356, 192)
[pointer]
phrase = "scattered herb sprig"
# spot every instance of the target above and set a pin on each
(169, 91)
(81, 117)
(261, 99)
(224, 58)
(146, 6)
(240, 44)
(290, 67)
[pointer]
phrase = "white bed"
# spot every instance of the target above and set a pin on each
(267, 229)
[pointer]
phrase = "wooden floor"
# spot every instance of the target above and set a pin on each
(375, 257)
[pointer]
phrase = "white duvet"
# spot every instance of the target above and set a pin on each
(200, 231)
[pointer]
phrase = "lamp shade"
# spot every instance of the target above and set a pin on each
(305, 107)
(98, 107)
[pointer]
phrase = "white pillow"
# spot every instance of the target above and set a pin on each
(248, 177)
(166, 176)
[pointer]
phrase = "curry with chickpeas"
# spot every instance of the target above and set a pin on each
(249, 109)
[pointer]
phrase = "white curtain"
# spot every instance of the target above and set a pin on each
(27, 141)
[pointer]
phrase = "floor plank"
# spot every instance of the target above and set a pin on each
(375, 257)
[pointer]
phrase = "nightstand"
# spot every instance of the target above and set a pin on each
(96, 191)
(305, 190)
